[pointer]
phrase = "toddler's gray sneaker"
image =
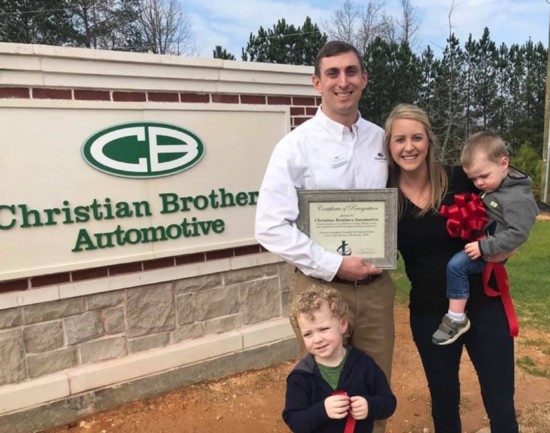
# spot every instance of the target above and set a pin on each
(449, 331)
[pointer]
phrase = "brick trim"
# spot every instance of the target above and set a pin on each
(15, 92)
(92, 95)
(129, 96)
(124, 268)
(195, 97)
(163, 97)
(45, 93)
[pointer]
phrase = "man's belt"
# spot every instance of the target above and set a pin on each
(356, 283)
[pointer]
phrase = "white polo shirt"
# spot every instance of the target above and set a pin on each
(319, 154)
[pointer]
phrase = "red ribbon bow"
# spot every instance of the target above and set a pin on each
(350, 420)
(466, 219)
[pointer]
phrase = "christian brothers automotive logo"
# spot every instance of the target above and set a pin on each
(143, 150)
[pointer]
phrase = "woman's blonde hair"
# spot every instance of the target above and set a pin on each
(436, 173)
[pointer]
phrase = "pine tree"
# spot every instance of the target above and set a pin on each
(36, 22)
(222, 53)
(394, 77)
(484, 80)
(285, 44)
(429, 67)
(448, 115)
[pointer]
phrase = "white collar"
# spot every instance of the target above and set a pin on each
(333, 127)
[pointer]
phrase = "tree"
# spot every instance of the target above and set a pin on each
(35, 22)
(409, 23)
(500, 115)
(158, 26)
(285, 44)
(448, 113)
(534, 93)
(484, 68)
(528, 161)
(222, 53)
(105, 24)
(514, 83)
(429, 67)
(359, 25)
(165, 27)
(525, 83)
(394, 77)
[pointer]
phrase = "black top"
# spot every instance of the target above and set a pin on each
(426, 248)
(306, 392)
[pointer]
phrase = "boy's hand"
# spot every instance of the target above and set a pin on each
(359, 407)
(337, 406)
(472, 249)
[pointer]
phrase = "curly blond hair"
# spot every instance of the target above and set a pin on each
(310, 301)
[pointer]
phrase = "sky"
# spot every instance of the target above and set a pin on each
(229, 23)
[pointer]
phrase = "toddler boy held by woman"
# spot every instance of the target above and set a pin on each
(511, 209)
(335, 388)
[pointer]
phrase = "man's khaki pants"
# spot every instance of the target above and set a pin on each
(371, 325)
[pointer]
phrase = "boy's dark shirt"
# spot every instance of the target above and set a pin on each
(306, 392)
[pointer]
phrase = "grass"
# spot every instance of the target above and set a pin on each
(530, 366)
(530, 279)
(401, 282)
(528, 275)
(536, 418)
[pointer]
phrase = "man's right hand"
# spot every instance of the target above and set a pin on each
(355, 268)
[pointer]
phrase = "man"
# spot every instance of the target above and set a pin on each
(336, 149)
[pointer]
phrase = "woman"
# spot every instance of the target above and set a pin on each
(426, 247)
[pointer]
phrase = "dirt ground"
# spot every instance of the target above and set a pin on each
(252, 402)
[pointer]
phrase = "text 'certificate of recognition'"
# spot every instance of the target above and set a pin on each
(358, 222)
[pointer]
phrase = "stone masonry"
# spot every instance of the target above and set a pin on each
(41, 339)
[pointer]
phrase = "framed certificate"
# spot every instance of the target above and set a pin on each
(352, 222)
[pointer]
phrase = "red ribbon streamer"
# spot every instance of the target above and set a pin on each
(466, 219)
(350, 420)
(501, 277)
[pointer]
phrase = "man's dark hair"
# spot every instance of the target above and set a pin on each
(335, 48)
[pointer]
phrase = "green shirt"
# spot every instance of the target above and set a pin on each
(331, 375)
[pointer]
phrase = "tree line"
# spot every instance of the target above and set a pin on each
(155, 26)
(471, 86)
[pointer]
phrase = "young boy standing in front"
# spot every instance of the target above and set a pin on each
(506, 193)
(335, 388)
